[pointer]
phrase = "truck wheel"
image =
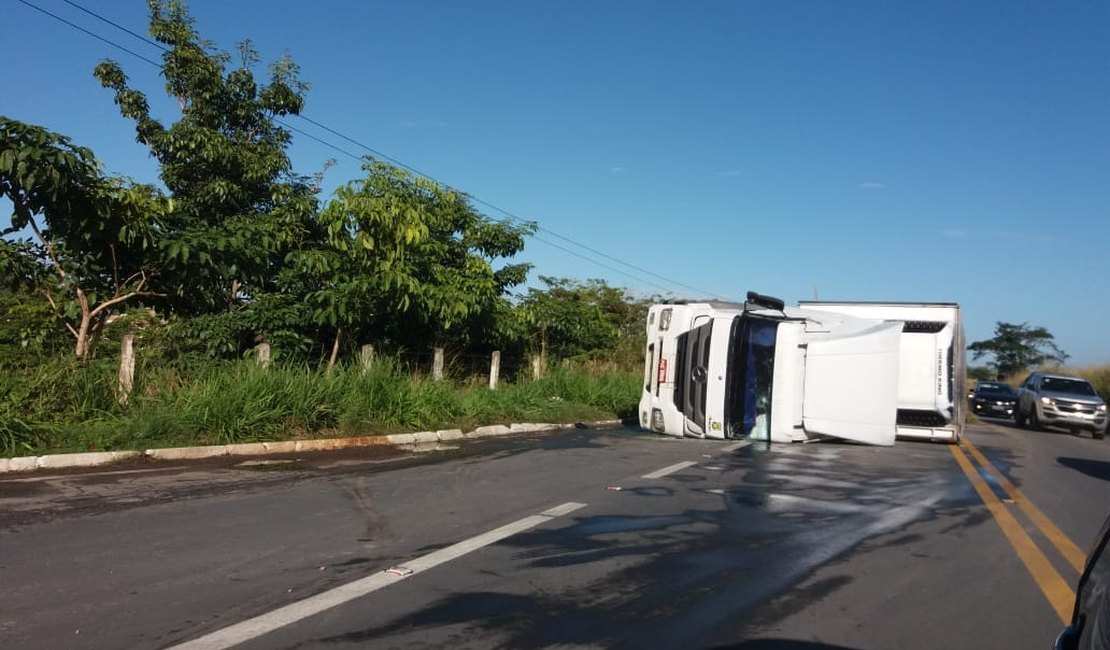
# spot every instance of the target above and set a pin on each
(1034, 421)
(1019, 417)
(1098, 435)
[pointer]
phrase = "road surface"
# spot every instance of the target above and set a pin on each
(584, 539)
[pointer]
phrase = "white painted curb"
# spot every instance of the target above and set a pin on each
(423, 439)
(61, 461)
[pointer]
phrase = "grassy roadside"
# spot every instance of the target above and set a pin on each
(1099, 376)
(66, 406)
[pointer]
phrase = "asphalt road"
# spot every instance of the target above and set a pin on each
(526, 542)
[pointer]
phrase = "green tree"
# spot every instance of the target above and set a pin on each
(93, 237)
(1016, 348)
(362, 272)
(570, 318)
(404, 253)
(239, 208)
(459, 287)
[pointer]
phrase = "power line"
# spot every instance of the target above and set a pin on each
(386, 157)
(312, 137)
(512, 216)
(82, 29)
(601, 264)
(116, 25)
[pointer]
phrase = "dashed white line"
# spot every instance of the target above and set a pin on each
(259, 625)
(670, 469)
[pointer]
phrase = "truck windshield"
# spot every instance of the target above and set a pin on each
(750, 371)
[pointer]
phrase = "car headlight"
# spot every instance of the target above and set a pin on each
(657, 423)
(665, 319)
(1048, 400)
(1102, 407)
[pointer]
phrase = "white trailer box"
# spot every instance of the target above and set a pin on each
(931, 366)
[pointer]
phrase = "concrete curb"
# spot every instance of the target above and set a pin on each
(420, 439)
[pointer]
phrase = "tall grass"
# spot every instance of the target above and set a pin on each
(72, 406)
(1099, 376)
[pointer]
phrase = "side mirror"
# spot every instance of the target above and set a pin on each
(1090, 621)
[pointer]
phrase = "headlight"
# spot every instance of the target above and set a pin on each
(665, 319)
(1048, 400)
(657, 420)
(1102, 407)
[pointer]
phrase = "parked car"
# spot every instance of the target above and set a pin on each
(993, 399)
(1049, 399)
(1090, 620)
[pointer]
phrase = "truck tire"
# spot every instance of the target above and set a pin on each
(1019, 417)
(1034, 421)
(1098, 435)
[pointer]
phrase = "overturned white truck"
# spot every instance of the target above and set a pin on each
(862, 371)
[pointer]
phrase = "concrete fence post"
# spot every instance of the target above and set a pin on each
(437, 364)
(494, 369)
(126, 368)
(366, 357)
(263, 351)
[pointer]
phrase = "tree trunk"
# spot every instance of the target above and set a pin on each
(82, 349)
(335, 349)
(95, 330)
(235, 286)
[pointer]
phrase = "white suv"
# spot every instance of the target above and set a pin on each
(1047, 399)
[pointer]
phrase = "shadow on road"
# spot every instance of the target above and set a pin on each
(1097, 468)
(1044, 429)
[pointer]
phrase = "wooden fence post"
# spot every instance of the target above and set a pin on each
(537, 366)
(263, 351)
(366, 357)
(437, 364)
(126, 368)
(494, 369)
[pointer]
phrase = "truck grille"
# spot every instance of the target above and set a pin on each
(1068, 406)
(923, 326)
(920, 418)
(691, 390)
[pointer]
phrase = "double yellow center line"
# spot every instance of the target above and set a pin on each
(1054, 587)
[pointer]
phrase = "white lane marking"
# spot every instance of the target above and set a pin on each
(734, 447)
(671, 469)
(565, 509)
(264, 623)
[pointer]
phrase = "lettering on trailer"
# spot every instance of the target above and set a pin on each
(940, 372)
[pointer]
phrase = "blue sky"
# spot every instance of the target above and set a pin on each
(942, 151)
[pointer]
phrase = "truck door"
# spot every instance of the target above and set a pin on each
(851, 385)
